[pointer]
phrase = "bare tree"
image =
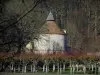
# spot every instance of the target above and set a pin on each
(13, 34)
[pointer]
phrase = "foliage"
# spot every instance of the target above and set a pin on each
(50, 57)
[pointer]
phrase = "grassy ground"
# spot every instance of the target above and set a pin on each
(39, 74)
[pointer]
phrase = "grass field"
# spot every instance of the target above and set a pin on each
(3, 73)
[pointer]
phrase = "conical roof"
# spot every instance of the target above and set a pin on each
(50, 17)
(50, 27)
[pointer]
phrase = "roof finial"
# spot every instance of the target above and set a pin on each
(50, 17)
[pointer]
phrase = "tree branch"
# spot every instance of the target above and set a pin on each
(2, 44)
(22, 16)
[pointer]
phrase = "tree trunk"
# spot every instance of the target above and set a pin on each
(73, 69)
(89, 11)
(92, 67)
(96, 25)
(54, 67)
(34, 68)
(84, 69)
(19, 68)
(25, 69)
(12, 67)
(58, 66)
(31, 68)
(95, 68)
(60, 69)
(63, 67)
(70, 66)
(99, 68)
(43, 68)
(70, 69)
(77, 67)
(46, 68)
(89, 67)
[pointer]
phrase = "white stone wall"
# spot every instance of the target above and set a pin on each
(49, 42)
